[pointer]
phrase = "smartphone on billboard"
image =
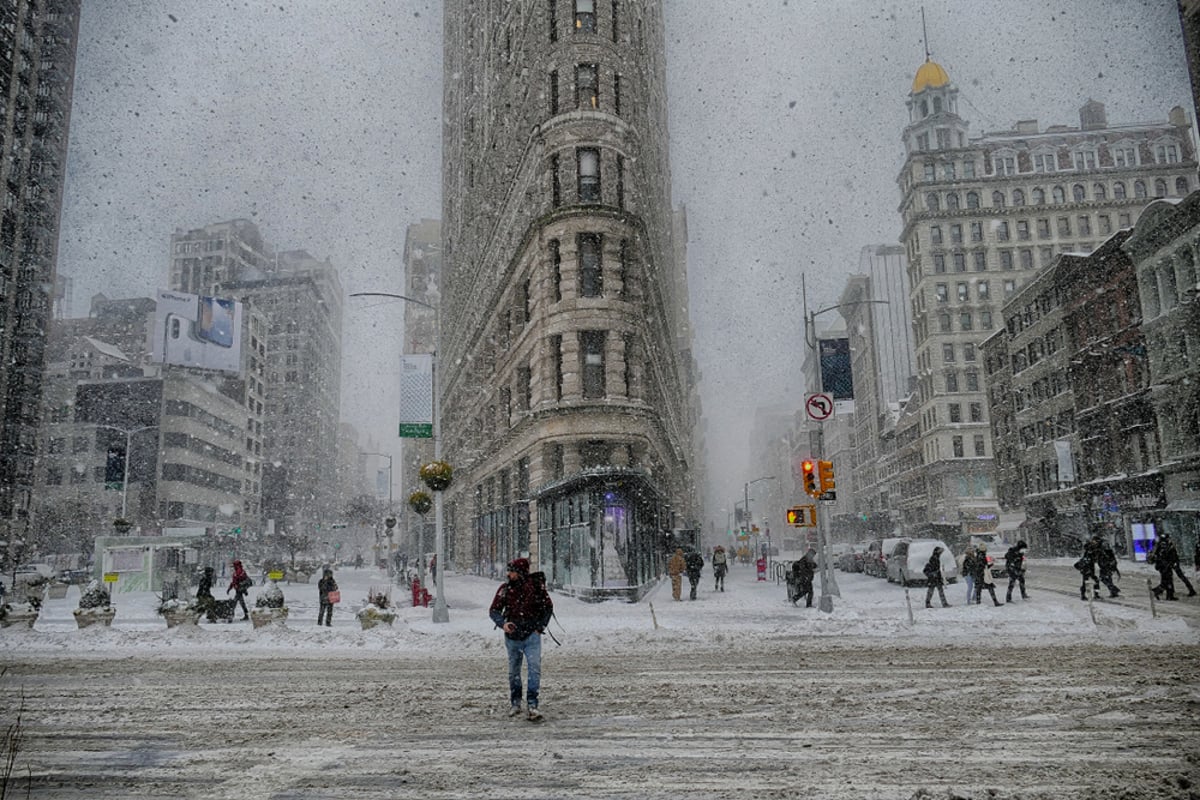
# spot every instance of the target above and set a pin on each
(216, 321)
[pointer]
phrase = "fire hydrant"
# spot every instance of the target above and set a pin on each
(416, 592)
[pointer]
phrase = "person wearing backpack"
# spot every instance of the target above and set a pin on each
(522, 608)
(1014, 565)
(241, 584)
(720, 564)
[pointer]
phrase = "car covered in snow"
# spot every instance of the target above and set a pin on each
(906, 566)
(878, 552)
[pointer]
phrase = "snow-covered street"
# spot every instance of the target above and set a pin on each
(736, 694)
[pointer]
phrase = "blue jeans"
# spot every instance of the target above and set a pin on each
(970, 579)
(530, 650)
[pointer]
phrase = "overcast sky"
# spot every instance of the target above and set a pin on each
(321, 122)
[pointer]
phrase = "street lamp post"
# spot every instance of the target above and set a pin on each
(441, 613)
(746, 496)
(829, 587)
(129, 432)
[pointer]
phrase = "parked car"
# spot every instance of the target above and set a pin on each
(906, 566)
(875, 560)
(852, 560)
(41, 570)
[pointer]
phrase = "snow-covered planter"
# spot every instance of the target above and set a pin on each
(19, 615)
(437, 475)
(377, 611)
(420, 502)
(179, 612)
(95, 606)
(269, 607)
(56, 590)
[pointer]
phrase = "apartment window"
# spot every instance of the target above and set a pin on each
(948, 171)
(1118, 191)
(553, 92)
(985, 319)
(963, 293)
(948, 353)
(591, 275)
(1139, 190)
(943, 292)
(980, 448)
(965, 321)
(955, 412)
(525, 388)
(1009, 288)
(1167, 154)
(587, 86)
(630, 359)
(585, 16)
(623, 268)
(1043, 228)
(1085, 226)
(591, 351)
(1045, 256)
(929, 172)
(1023, 229)
(1085, 159)
(976, 411)
(1099, 192)
(1006, 259)
(617, 95)
(556, 349)
(589, 175)
(556, 269)
(943, 323)
(951, 201)
(980, 259)
(998, 199)
(939, 264)
(951, 382)
(555, 182)
(969, 170)
(957, 443)
(935, 234)
(1160, 188)
(1124, 220)
(1182, 186)
(956, 233)
(1078, 193)
(960, 262)
(976, 231)
(1018, 197)
(1044, 162)
(1039, 197)
(968, 351)
(1059, 195)
(616, 16)
(972, 381)
(1124, 156)
(1002, 234)
(983, 290)
(972, 199)
(942, 134)
(1064, 226)
(1026, 259)
(923, 142)
(552, 18)
(932, 203)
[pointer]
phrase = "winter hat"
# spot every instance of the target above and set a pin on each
(937, 549)
(1021, 545)
(981, 547)
(519, 566)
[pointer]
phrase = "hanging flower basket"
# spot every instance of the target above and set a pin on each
(437, 475)
(420, 502)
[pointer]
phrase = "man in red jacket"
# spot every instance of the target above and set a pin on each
(522, 609)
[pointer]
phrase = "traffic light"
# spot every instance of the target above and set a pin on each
(810, 478)
(825, 476)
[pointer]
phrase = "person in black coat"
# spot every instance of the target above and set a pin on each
(694, 564)
(1014, 565)
(1106, 562)
(324, 586)
(934, 579)
(803, 570)
(1166, 558)
(204, 596)
(983, 575)
(1087, 567)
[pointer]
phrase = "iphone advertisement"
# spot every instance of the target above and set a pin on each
(197, 331)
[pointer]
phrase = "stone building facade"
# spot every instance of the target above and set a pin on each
(982, 216)
(567, 392)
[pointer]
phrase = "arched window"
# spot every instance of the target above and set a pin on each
(1118, 191)
(1099, 192)
(1018, 197)
(1059, 195)
(1039, 197)
(932, 203)
(951, 202)
(1181, 187)
(972, 199)
(1079, 193)
(1139, 189)
(998, 199)
(1160, 188)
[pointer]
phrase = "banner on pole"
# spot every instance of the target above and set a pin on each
(416, 396)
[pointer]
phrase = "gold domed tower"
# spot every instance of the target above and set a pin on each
(933, 121)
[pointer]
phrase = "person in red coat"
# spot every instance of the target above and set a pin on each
(241, 584)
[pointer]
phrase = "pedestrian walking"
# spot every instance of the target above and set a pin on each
(1179, 572)
(983, 575)
(675, 568)
(803, 570)
(1106, 563)
(204, 596)
(1165, 558)
(1087, 567)
(240, 584)
(720, 565)
(695, 565)
(522, 609)
(934, 579)
(324, 586)
(966, 568)
(1014, 565)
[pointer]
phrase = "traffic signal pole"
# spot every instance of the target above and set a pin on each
(829, 587)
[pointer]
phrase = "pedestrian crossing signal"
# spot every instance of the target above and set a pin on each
(802, 516)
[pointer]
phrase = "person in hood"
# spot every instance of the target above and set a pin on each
(720, 565)
(240, 583)
(522, 608)
(1014, 565)
(983, 575)
(695, 565)
(1166, 558)
(204, 596)
(325, 606)
(934, 579)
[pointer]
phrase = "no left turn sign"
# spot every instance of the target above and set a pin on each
(819, 407)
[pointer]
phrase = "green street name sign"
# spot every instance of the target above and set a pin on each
(415, 430)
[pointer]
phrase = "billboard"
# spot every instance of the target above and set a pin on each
(197, 331)
(416, 396)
